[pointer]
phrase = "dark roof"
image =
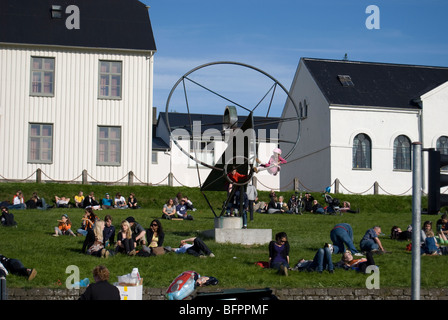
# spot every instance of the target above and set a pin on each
(209, 121)
(118, 24)
(375, 84)
(159, 144)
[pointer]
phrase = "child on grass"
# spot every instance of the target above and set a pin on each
(64, 227)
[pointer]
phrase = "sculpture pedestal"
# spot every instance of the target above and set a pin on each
(229, 230)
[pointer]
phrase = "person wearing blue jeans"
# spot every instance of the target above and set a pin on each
(370, 241)
(342, 234)
(321, 261)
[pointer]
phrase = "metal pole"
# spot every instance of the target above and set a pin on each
(3, 292)
(416, 218)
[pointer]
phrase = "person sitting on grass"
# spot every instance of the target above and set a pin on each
(181, 210)
(64, 227)
(7, 218)
(132, 201)
(93, 244)
(109, 231)
(279, 253)
(371, 242)
(126, 240)
(79, 199)
(87, 221)
(169, 210)
(120, 201)
(106, 202)
(138, 231)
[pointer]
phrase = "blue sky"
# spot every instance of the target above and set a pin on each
(274, 35)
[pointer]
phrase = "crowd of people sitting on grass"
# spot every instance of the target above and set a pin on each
(298, 203)
(103, 239)
(79, 201)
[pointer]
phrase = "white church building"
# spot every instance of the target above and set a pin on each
(359, 122)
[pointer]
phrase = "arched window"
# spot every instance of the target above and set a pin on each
(300, 110)
(402, 153)
(442, 146)
(362, 152)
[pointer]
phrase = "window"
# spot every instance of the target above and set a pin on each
(442, 146)
(110, 79)
(154, 157)
(42, 77)
(362, 149)
(346, 81)
(402, 153)
(40, 143)
(305, 109)
(109, 146)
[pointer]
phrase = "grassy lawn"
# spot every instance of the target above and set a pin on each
(234, 265)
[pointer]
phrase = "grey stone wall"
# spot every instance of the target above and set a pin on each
(282, 294)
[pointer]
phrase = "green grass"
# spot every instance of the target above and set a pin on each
(234, 265)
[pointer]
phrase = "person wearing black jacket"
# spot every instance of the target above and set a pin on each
(279, 253)
(90, 201)
(101, 289)
(94, 241)
(15, 266)
(308, 202)
(7, 218)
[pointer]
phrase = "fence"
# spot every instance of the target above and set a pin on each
(132, 179)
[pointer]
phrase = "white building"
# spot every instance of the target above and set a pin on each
(359, 122)
(76, 89)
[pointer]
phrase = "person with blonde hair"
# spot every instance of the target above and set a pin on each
(93, 244)
(125, 239)
(101, 289)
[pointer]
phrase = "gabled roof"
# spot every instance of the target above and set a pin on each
(159, 144)
(374, 84)
(212, 121)
(113, 24)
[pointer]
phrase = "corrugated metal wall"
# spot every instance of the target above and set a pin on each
(75, 112)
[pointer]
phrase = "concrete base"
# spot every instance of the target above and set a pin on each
(229, 230)
(243, 236)
(229, 223)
